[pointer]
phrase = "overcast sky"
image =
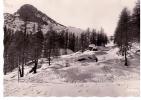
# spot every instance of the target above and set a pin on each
(78, 13)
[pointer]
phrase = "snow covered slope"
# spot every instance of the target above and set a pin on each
(69, 77)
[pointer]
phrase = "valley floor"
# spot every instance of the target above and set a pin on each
(68, 77)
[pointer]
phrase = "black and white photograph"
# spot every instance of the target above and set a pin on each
(71, 48)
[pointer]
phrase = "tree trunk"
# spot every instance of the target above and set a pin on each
(126, 47)
(35, 66)
(126, 64)
(49, 58)
(18, 69)
(5, 64)
(22, 70)
(34, 69)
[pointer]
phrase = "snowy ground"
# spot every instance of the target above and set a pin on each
(69, 77)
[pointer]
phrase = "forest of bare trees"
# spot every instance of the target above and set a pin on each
(20, 47)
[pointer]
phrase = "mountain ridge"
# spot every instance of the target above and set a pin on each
(35, 17)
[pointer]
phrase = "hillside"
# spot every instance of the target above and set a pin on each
(69, 77)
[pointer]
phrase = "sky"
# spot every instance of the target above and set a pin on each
(78, 13)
